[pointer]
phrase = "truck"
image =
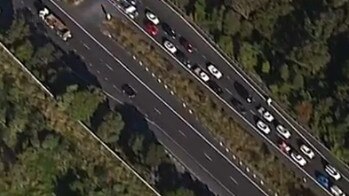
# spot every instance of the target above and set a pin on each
(55, 24)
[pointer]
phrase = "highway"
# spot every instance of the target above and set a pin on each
(176, 128)
(203, 54)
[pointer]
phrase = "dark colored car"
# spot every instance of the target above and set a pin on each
(128, 90)
(243, 92)
(238, 105)
(183, 59)
(215, 87)
(168, 30)
(322, 180)
(185, 43)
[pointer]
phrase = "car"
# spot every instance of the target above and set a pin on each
(130, 10)
(242, 91)
(183, 59)
(184, 42)
(238, 105)
(322, 180)
(133, 2)
(332, 172)
(151, 28)
(169, 46)
(128, 90)
(336, 191)
(168, 30)
(214, 71)
(307, 151)
(284, 147)
(269, 101)
(199, 72)
(263, 127)
(283, 131)
(152, 17)
(266, 115)
(215, 87)
(298, 158)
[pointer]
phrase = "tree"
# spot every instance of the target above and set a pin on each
(248, 56)
(231, 22)
(155, 155)
(24, 51)
(284, 72)
(180, 192)
(266, 67)
(80, 104)
(200, 11)
(45, 55)
(18, 31)
(110, 129)
(312, 56)
(298, 81)
(136, 143)
(226, 43)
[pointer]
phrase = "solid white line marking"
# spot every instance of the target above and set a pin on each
(231, 178)
(158, 111)
(109, 67)
(159, 98)
(208, 157)
(181, 132)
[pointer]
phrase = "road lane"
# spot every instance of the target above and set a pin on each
(195, 142)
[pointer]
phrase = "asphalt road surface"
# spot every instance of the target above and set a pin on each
(203, 54)
(181, 133)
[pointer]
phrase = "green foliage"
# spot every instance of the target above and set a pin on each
(46, 151)
(248, 56)
(110, 128)
(207, 111)
(80, 104)
(24, 51)
(306, 43)
(180, 192)
(231, 22)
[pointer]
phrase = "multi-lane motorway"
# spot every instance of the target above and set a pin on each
(204, 54)
(207, 161)
(174, 125)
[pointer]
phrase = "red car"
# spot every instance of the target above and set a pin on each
(284, 147)
(185, 43)
(151, 29)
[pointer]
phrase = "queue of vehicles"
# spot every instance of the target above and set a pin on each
(151, 26)
(301, 157)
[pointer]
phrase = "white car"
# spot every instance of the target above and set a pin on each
(269, 101)
(152, 17)
(266, 115)
(170, 47)
(214, 71)
(130, 10)
(298, 158)
(336, 191)
(204, 76)
(263, 127)
(283, 131)
(307, 151)
(332, 172)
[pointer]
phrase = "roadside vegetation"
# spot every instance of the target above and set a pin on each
(208, 110)
(44, 151)
(44, 148)
(298, 49)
